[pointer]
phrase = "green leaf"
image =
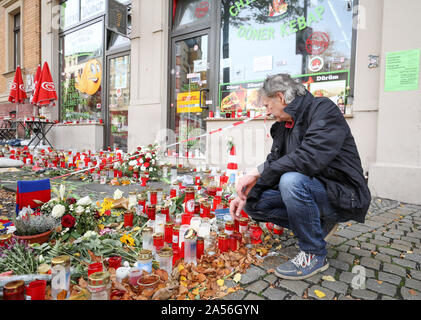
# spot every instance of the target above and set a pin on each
(75, 234)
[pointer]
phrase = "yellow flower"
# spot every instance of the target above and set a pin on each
(101, 226)
(127, 239)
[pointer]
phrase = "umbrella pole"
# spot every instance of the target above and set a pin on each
(17, 126)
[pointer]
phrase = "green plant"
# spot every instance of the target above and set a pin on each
(31, 224)
(18, 257)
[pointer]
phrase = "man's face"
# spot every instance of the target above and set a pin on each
(275, 106)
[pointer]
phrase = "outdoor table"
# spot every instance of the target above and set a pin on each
(14, 123)
(39, 128)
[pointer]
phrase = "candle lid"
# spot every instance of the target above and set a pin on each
(223, 236)
(5, 237)
(44, 268)
(61, 260)
(99, 279)
(190, 234)
(158, 235)
(165, 252)
(14, 285)
(145, 255)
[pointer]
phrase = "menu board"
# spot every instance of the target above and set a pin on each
(402, 70)
(244, 96)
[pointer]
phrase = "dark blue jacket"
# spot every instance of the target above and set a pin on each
(319, 145)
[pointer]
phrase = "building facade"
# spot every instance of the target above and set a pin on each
(184, 60)
(20, 45)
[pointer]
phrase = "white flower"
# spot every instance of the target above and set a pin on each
(117, 194)
(143, 168)
(148, 155)
(71, 207)
(58, 211)
(88, 210)
(89, 234)
(153, 161)
(79, 210)
(116, 165)
(41, 259)
(62, 191)
(141, 160)
(86, 201)
(132, 163)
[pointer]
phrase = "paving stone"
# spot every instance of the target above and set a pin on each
(337, 286)
(329, 272)
(360, 252)
(383, 288)
(252, 274)
(364, 294)
(296, 298)
(230, 283)
(404, 263)
(370, 263)
(400, 247)
(336, 240)
(383, 257)
(381, 238)
(352, 243)
(346, 257)
(389, 251)
(349, 234)
(329, 294)
(360, 228)
(362, 238)
(346, 277)
(414, 284)
(395, 234)
(391, 278)
(388, 298)
(410, 294)
(274, 294)
(238, 295)
(343, 297)
(413, 257)
(252, 296)
(416, 234)
(271, 279)
(368, 246)
(380, 242)
(315, 278)
(343, 248)
(257, 286)
(403, 243)
(411, 239)
(373, 224)
(415, 274)
(331, 253)
(296, 286)
(273, 261)
(394, 269)
(339, 264)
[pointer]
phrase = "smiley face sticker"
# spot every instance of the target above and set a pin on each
(90, 80)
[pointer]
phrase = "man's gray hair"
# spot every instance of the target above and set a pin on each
(283, 83)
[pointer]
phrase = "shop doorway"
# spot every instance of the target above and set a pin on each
(190, 92)
(118, 99)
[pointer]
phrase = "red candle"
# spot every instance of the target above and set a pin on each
(142, 203)
(144, 180)
(158, 241)
(154, 197)
(216, 201)
(223, 242)
(185, 218)
(151, 212)
(197, 208)
(173, 193)
(169, 232)
(114, 262)
(175, 235)
(206, 211)
(189, 201)
(14, 290)
(166, 211)
(95, 267)
(128, 219)
(229, 227)
(232, 243)
(200, 247)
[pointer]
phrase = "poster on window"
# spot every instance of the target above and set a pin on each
(332, 85)
(243, 96)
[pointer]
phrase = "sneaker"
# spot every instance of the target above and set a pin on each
(303, 266)
(329, 228)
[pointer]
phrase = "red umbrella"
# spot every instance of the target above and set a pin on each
(36, 80)
(17, 93)
(45, 91)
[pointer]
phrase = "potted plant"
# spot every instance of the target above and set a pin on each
(34, 227)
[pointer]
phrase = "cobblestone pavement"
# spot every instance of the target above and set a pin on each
(387, 245)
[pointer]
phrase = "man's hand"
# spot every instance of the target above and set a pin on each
(246, 183)
(236, 206)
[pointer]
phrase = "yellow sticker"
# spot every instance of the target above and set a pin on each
(237, 277)
(320, 294)
(220, 282)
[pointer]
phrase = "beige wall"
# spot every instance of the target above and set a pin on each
(397, 171)
(148, 108)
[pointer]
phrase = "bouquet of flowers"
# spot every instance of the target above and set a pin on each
(76, 216)
(141, 161)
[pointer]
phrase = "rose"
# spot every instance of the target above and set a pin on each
(86, 201)
(79, 210)
(68, 221)
(107, 213)
(58, 211)
(71, 201)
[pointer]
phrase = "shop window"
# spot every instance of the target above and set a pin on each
(69, 13)
(82, 74)
(16, 40)
(190, 12)
(309, 39)
(91, 8)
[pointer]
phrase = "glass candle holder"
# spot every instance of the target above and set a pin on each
(128, 219)
(159, 195)
(134, 275)
(189, 201)
(14, 290)
(204, 229)
(165, 258)
(183, 229)
(168, 233)
(99, 285)
(160, 220)
(174, 174)
(175, 236)
(206, 210)
(114, 262)
(144, 261)
(190, 250)
(132, 199)
(158, 242)
(243, 225)
(142, 205)
(195, 222)
(147, 238)
(153, 197)
(95, 267)
(223, 242)
(200, 247)
(166, 212)
(60, 277)
(151, 211)
(229, 227)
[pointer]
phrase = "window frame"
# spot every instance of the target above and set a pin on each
(17, 48)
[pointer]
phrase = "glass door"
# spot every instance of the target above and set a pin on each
(118, 101)
(190, 89)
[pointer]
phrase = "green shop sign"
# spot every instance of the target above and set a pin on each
(287, 29)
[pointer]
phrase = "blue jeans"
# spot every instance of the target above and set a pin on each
(299, 206)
